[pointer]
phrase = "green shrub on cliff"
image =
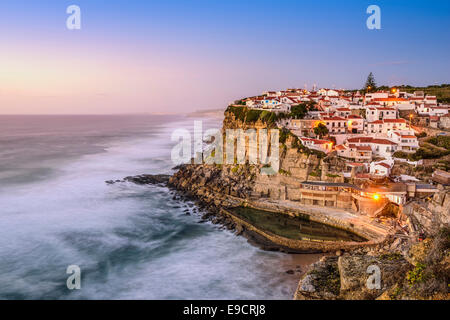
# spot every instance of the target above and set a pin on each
(416, 275)
(248, 115)
(284, 172)
(428, 153)
(253, 115)
(239, 112)
(284, 134)
(401, 155)
(299, 111)
(440, 141)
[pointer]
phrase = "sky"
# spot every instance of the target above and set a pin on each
(175, 56)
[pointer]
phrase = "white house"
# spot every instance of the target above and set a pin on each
(390, 101)
(320, 145)
(380, 169)
(384, 126)
(335, 124)
(289, 100)
(328, 93)
(380, 147)
(380, 113)
(431, 110)
(355, 124)
(406, 106)
(354, 152)
(406, 140)
(430, 100)
(343, 112)
(375, 95)
(270, 102)
(438, 111)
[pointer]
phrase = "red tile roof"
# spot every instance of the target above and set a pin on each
(389, 99)
(352, 116)
(360, 140)
(384, 165)
(394, 120)
(334, 119)
(370, 140)
(385, 109)
(383, 141)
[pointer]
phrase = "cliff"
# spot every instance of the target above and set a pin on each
(427, 217)
(297, 164)
(410, 271)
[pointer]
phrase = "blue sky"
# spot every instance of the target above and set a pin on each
(186, 55)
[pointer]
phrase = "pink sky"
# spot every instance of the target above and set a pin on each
(181, 56)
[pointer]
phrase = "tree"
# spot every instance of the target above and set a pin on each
(370, 83)
(299, 111)
(321, 130)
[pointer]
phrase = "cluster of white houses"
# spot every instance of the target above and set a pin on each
(365, 129)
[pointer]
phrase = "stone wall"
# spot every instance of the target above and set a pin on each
(304, 245)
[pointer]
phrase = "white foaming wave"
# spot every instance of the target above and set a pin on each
(76, 218)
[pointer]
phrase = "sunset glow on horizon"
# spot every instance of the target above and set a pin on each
(174, 56)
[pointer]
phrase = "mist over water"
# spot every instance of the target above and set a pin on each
(130, 241)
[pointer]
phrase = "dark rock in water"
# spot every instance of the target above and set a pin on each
(149, 179)
(142, 179)
(290, 272)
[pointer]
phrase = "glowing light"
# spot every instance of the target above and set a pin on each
(376, 197)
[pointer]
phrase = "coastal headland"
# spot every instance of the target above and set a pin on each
(222, 189)
(339, 215)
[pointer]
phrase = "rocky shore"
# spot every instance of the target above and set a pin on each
(409, 268)
(408, 272)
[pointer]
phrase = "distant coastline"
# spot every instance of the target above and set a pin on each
(211, 113)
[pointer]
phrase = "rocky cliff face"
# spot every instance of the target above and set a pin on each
(432, 215)
(407, 270)
(244, 181)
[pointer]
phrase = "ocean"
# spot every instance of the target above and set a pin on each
(129, 241)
